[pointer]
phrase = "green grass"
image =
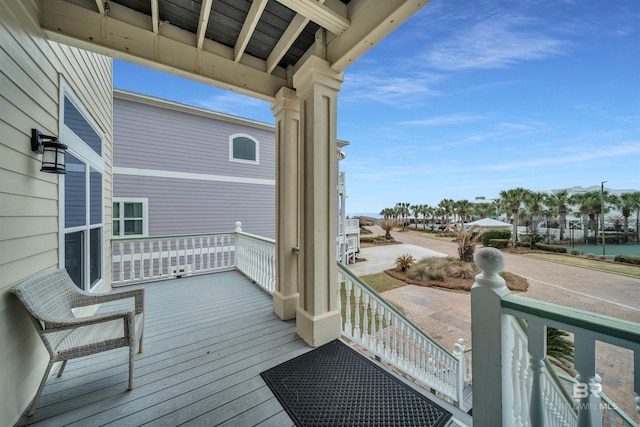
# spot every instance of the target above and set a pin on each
(430, 235)
(627, 270)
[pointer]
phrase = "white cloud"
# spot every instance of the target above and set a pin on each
(493, 43)
(452, 119)
(359, 86)
(578, 156)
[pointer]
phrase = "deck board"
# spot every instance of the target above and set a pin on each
(206, 340)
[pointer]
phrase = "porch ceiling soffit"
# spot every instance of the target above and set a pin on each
(240, 46)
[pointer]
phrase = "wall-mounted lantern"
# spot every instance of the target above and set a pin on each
(53, 152)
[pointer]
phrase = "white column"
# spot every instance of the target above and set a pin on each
(286, 110)
(318, 316)
(492, 340)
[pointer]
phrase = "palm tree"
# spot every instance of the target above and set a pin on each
(627, 203)
(463, 208)
(533, 201)
(560, 350)
(559, 203)
(387, 213)
(447, 206)
(467, 240)
(415, 209)
(425, 210)
(514, 198)
(583, 202)
(484, 210)
(387, 225)
(402, 209)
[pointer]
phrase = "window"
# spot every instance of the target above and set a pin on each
(81, 194)
(244, 149)
(130, 217)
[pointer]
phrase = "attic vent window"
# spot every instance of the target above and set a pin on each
(244, 149)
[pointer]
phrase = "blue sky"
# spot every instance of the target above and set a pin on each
(470, 98)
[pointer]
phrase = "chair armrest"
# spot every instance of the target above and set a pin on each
(88, 298)
(56, 326)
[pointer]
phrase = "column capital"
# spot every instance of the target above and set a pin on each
(285, 99)
(317, 70)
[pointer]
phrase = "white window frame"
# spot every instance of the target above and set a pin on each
(255, 141)
(121, 218)
(92, 160)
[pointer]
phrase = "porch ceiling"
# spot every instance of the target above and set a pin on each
(240, 45)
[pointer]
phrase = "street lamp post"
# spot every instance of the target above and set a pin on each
(604, 251)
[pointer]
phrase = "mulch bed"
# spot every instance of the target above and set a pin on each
(514, 282)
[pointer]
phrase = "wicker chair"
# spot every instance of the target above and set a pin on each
(49, 298)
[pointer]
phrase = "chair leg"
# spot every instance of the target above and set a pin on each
(140, 343)
(132, 351)
(32, 407)
(64, 364)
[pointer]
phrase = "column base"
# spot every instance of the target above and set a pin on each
(285, 306)
(318, 330)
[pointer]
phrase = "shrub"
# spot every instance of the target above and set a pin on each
(498, 243)
(602, 257)
(405, 262)
(438, 275)
(628, 258)
(502, 233)
(575, 252)
(591, 255)
(462, 270)
(551, 248)
(420, 273)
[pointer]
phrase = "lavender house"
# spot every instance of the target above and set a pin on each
(180, 169)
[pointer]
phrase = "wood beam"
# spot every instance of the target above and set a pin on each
(329, 14)
(100, 6)
(155, 16)
(203, 22)
(296, 26)
(253, 17)
(371, 21)
(171, 49)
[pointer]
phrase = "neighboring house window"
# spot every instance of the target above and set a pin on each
(82, 195)
(244, 149)
(130, 217)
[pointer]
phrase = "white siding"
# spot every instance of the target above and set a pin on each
(29, 225)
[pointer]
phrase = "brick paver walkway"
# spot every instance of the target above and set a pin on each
(446, 315)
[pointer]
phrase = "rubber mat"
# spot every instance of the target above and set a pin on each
(334, 385)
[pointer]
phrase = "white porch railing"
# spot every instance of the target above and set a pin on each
(513, 384)
(378, 327)
(138, 260)
(256, 258)
(142, 259)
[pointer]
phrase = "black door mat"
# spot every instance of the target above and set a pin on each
(334, 385)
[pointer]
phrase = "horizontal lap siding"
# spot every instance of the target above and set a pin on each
(29, 96)
(152, 137)
(178, 206)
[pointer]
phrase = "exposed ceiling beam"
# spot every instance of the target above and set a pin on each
(171, 50)
(330, 14)
(253, 17)
(100, 6)
(203, 22)
(372, 20)
(155, 16)
(288, 37)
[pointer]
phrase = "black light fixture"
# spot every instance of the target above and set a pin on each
(53, 152)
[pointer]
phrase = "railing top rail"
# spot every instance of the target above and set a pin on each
(608, 329)
(256, 237)
(174, 236)
(345, 270)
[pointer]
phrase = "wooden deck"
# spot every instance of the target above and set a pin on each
(206, 340)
